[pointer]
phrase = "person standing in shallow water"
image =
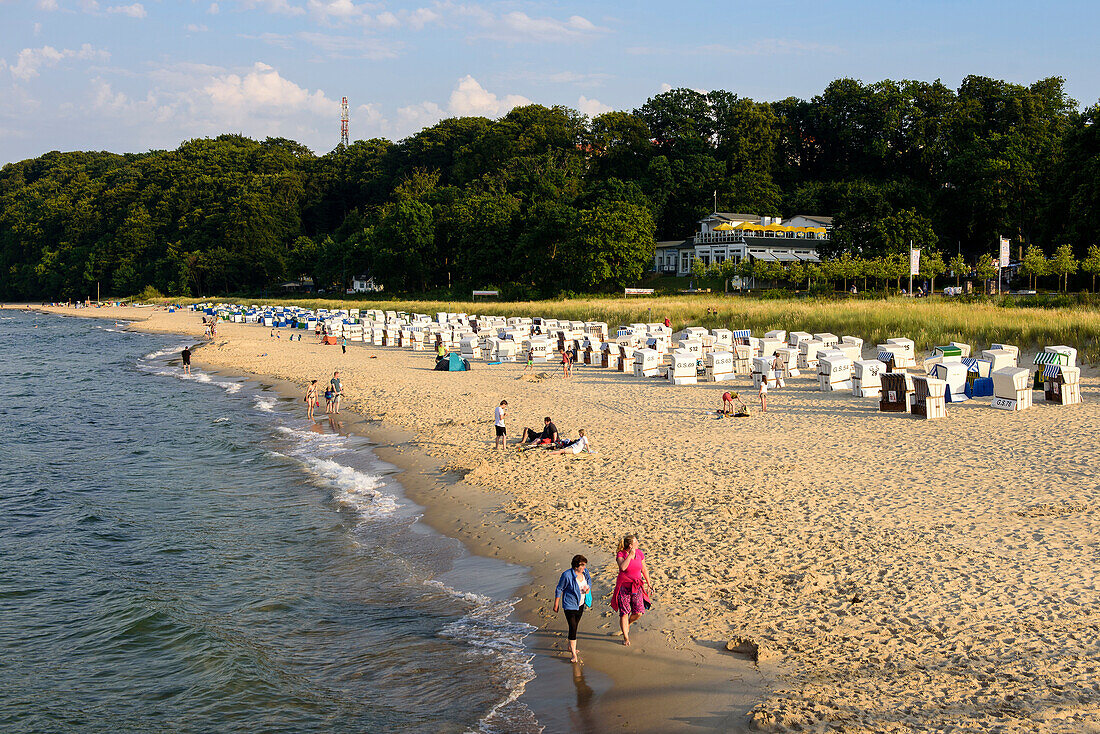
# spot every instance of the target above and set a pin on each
(337, 386)
(574, 594)
(311, 398)
(186, 355)
(632, 587)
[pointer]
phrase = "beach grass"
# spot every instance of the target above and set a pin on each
(928, 322)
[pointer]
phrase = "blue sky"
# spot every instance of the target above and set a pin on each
(131, 76)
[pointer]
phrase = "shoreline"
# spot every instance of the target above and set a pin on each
(658, 685)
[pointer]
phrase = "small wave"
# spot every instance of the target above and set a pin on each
(165, 352)
(354, 488)
(221, 420)
(310, 443)
(267, 405)
(489, 630)
(201, 377)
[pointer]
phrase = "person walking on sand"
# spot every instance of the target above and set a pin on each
(632, 587)
(337, 386)
(763, 393)
(186, 355)
(343, 344)
(498, 419)
(530, 360)
(574, 595)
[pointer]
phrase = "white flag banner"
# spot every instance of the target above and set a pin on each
(914, 261)
(1005, 242)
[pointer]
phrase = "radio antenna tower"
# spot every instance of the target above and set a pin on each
(344, 121)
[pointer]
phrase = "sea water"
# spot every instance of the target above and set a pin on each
(189, 554)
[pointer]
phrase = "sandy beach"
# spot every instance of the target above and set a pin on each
(892, 574)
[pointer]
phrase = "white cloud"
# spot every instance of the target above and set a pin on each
(31, 60)
(136, 10)
(592, 107)
(341, 10)
(263, 91)
(37, 29)
(47, 4)
(213, 9)
(280, 7)
(665, 87)
(516, 27)
(418, 116)
(344, 47)
(196, 28)
(387, 19)
(421, 17)
(470, 98)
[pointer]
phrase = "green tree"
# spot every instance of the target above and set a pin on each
(1063, 264)
(1034, 264)
(931, 266)
(958, 267)
(1091, 264)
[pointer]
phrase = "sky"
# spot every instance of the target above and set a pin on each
(135, 76)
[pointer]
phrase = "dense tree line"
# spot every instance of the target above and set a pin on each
(545, 200)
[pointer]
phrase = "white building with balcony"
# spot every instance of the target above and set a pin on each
(730, 236)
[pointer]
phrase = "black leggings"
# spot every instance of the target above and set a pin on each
(573, 617)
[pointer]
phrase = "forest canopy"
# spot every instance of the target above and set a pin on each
(545, 200)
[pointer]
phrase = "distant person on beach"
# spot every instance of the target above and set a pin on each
(549, 433)
(186, 354)
(328, 399)
(343, 344)
(763, 393)
(337, 391)
(530, 360)
(311, 398)
(499, 414)
(440, 350)
(574, 595)
(668, 323)
(565, 362)
(778, 366)
(632, 587)
(575, 446)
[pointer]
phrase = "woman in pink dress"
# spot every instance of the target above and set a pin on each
(632, 587)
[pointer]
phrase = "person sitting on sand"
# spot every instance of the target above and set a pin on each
(574, 594)
(632, 587)
(548, 434)
(575, 446)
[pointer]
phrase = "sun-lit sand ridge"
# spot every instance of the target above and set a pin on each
(900, 575)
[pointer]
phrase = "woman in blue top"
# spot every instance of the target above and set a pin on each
(574, 594)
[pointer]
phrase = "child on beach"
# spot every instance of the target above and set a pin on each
(328, 399)
(763, 393)
(530, 360)
(498, 420)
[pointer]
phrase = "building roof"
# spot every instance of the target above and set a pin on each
(731, 217)
(674, 244)
(824, 221)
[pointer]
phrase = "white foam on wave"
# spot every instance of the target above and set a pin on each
(201, 377)
(489, 630)
(165, 352)
(265, 404)
(354, 489)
